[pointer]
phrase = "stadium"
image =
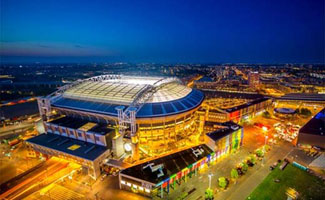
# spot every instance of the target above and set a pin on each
(150, 115)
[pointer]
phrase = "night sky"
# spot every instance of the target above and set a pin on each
(259, 31)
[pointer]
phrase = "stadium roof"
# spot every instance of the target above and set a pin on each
(70, 146)
(150, 109)
(124, 91)
(171, 164)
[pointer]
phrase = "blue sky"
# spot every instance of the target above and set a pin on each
(257, 31)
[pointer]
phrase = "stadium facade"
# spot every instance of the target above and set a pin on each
(109, 116)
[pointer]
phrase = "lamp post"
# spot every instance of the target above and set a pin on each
(210, 176)
(265, 140)
(264, 128)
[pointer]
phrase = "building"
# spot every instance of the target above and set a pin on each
(312, 134)
(303, 98)
(253, 79)
(237, 107)
(225, 138)
(113, 115)
(159, 176)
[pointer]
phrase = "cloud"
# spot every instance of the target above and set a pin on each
(51, 49)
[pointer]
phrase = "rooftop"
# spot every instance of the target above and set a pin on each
(70, 146)
(223, 94)
(245, 105)
(315, 126)
(303, 96)
(84, 125)
(225, 129)
(170, 164)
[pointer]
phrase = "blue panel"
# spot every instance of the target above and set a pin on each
(179, 106)
(168, 107)
(186, 103)
(157, 109)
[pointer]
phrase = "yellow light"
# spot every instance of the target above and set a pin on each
(128, 184)
(123, 182)
(264, 128)
(74, 147)
(141, 188)
(135, 186)
(147, 190)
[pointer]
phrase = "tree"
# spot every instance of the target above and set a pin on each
(234, 174)
(209, 194)
(259, 153)
(297, 111)
(253, 158)
(266, 114)
(305, 111)
(244, 167)
(223, 182)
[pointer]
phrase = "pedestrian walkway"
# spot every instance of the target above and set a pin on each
(55, 192)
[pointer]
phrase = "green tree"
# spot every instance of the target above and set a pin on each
(266, 114)
(244, 167)
(222, 182)
(259, 153)
(297, 111)
(253, 158)
(209, 194)
(234, 174)
(305, 111)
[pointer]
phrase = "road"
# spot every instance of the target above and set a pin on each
(30, 182)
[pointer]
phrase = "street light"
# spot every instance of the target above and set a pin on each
(264, 148)
(210, 176)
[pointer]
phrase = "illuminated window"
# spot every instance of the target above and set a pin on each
(147, 190)
(74, 147)
(123, 182)
(141, 188)
(128, 184)
(135, 186)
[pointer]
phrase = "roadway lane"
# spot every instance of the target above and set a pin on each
(29, 181)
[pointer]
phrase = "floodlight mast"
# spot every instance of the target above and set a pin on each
(129, 115)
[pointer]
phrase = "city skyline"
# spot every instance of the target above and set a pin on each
(162, 32)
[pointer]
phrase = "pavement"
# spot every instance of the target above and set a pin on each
(17, 163)
(253, 139)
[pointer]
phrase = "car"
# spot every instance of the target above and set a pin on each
(277, 124)
(274, 164)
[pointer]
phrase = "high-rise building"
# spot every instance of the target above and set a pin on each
(253, 79)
